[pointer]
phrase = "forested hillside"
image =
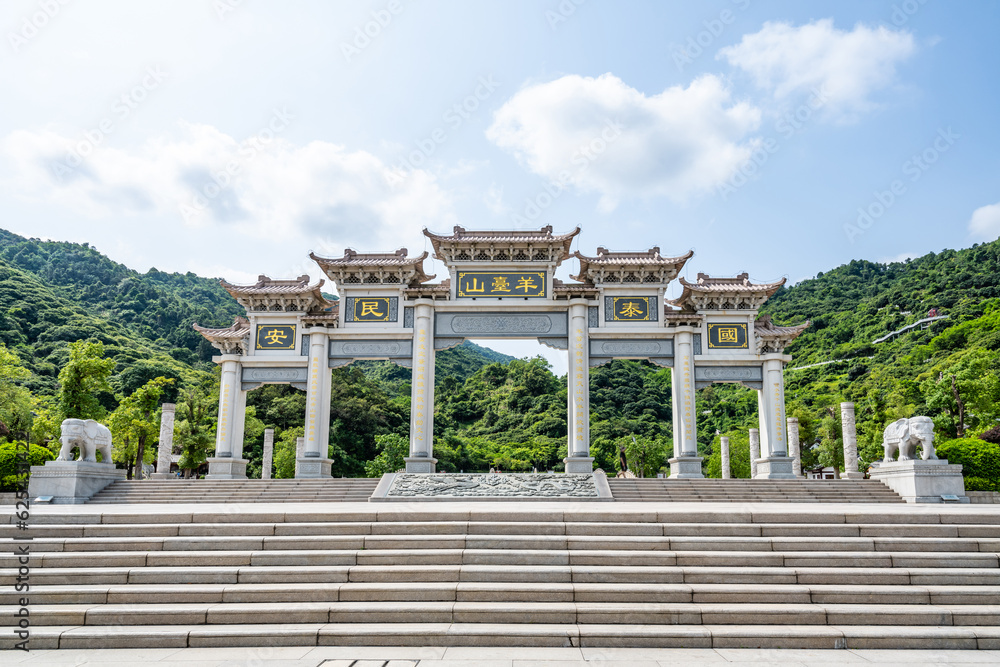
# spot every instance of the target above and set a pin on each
(492, 410)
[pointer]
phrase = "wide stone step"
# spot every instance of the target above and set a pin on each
(522, 634)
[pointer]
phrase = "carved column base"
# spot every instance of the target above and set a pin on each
(579, 464)
(922, 481)
(312, 468)
(686, 467)
(163, 475)
(852, 475)
(71, 482)
(421, 464)
(227, 468)
(776, 467)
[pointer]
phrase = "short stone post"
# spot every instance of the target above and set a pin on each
(754, 451)
(300, 450)
(265, 471)
(850, 433)
(793, 445)
(166, 446)
(724, 444)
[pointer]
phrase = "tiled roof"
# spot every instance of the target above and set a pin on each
(353, 260)
(740, 283)
(238, 329)
(265, 285)
(506, 236)
(651, 256)
(765, 328)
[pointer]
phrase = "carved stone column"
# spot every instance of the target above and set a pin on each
(313, 463)
(754, 451)
(265, 470)
(224, 465)
(166, 446)
(850, 432)
(421, 457)
(686, 464)
(794, 447)
(775, 462)
(578, 392)
(724, 446)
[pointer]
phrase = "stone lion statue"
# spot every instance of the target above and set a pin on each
(905, 434)
(89, 436)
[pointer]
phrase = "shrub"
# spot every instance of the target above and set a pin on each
(980, 484)
(979, 459)
(993, 435)
(9, 479)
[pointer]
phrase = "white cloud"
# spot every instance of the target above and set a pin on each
(985, 222)
(601, 135)
(319, 191)
(848, 67)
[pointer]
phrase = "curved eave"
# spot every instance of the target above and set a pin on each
(638, 262)
(383, 263)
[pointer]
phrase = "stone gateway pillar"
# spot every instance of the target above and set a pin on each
(774, 462)
(166, 446)
(754, 451)
(794, 448)
(850, 433)
(724, 445)
(579, 459)
(313, 463)
(265, 470)
(686, 464)
(232, 413)
(421, 457)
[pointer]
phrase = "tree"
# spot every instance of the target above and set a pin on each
(392, 449)
(284, 452)
(15, 401)
(82, 379)
(133, 425)
(194, 432)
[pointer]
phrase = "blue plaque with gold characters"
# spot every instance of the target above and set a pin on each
(630, 309)
(374, 309)
(523, 284)
(275, 337)
(727, 336)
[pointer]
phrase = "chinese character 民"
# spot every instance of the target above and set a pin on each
(370, 308)
(500, 284)
(275, 337)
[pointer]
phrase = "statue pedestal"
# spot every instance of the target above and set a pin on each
(579, 464)
(776, 467)
(71, 482)
(421, 464)
(163, 475)
(312, 468)
(226, 468)
(922, 481)
(849, 474)
(686, 467)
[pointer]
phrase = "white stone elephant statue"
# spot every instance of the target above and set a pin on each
(89, 436)
(905, 434)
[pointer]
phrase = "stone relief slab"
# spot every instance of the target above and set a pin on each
(370, 349)
(500, 325)
(631, 347)
(492, 486)
(748, 376)
(252, 378)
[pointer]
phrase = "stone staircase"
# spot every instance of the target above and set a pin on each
(237, 491)
(753, 491)
(504, 574)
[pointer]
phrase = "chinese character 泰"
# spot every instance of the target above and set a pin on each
(631, 309)
(728, 335)
(275, 337)
(525, 283)
(370, 308)
(500, 284)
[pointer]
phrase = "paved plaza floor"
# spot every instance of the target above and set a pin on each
(378, 656)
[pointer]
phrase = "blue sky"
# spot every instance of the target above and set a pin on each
(233, 137)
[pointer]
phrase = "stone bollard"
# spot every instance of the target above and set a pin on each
(794, 449)
(724, 442)
(850, 433)
(265, 471)
(166, 446)
(754, 451)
